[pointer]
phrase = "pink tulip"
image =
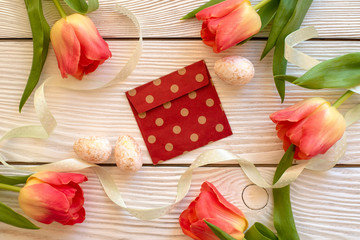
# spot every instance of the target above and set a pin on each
(53, 196)
(312, 125)
(211, 206)
(228, 23)
(78, 46)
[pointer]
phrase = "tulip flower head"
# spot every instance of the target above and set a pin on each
(211, 206)
(53, 196)
(228, 23)
(78, 46)
(312, 125)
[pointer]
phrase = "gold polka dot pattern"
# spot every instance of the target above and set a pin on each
(184, 112)
(182, 71)
(219, 127)
(202, 119)
(149, 99)
(209, 102)
(174, 88)
(192, 95)
(157, 82)
(159, 122)
(167, 105)
(151, 139)
(132, 92)
(194, 137)
(199, 77)
(178, 112)
(169, 147)
(142, 115)
(176, 129)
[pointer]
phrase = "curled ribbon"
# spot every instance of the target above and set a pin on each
(48, 124)
(306, 62)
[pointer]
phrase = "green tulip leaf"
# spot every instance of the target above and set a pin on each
(266, 14)
(285, 10)
(218, 232)
(287, 78)
(279, 61)
(93, 5)
(283, 216)
(259, 231)
(339, 72)
(41, 38)
(79, 6)
(13, 180)
(9, 216)
(195, 11)
(280, 86)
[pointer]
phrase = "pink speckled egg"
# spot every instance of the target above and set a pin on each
(234, 70)
(93, 149)
(127, 154)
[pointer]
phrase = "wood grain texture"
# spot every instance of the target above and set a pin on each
(161, 18)
(326, 205)
(106, 112)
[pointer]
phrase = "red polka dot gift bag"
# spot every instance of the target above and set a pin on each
(179, 112)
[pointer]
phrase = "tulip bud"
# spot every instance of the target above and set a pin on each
(78, 46)
(312, 125)
(53, 196)
(211, 206)
(228, 23)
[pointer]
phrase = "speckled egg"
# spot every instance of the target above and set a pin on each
(234, 70)
(127, 154)
(93, 149)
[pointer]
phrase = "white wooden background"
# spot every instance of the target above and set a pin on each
(326, 205)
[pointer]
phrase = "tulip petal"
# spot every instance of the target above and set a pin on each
(203, 232)
(93, 45)
(321, 130)
(207, 36)
(77, 217)
(77, 200)
(51, 205)
(211, 204)
(237, 26)
(66, 47)
(297, 111)
(188, 217)
(219, 10)
(59, 178)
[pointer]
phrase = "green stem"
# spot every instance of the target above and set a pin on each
(343, 98)
(10, 187)
(283, 217)
(59, 8)
(261, 4)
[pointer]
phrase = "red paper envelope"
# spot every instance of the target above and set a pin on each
(179, 112)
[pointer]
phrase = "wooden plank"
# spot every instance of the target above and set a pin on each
(106, 112)
(162, 18)
(321, 203)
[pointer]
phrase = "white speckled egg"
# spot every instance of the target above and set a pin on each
(234, 70)
(127, 154)
(93, 149)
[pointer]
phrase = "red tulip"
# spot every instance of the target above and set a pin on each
(53, 196)
(211, 206)
(78, 46)
(312, 125)
(228, 23)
